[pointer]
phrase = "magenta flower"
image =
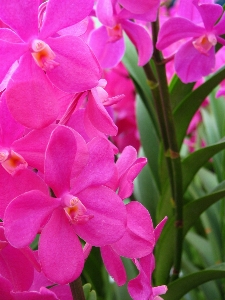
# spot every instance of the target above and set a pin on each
(138, 241)
(45, 59)
(196, 57)
(83, 207)
(141, 286)
(107, 41)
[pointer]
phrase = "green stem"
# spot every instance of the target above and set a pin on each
(77, 289)
(173, 153)
(154, 86)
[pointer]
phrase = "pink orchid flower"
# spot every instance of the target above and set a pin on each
(141, 286)
(141, 230)
(46, 60)
(196, 57)
(83, 207)
(138, 241)
(107, 41)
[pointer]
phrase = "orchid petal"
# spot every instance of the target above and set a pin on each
(8, 35)
(171, 32)
(139, 238)
(60, 155)
(141, 6)
(159, 228)
(60, 250)
(9, 53)
(5, 288)
(76, 29)
(109, 216)
(13, 186)
(100, 166)
(33, 145)
(147, 16)
(141, 40)
(18, 14)
(219, 28)
(139, 287)
(44, 294)
(126, 159)
(29, 93)
(114, 265)
(25, 215)
(191, 65)
(99, 116)
(61, 14)
(210, 13)
(78, 69)
(105, 12)
(81, 156)
(108, 53)
(12, 264)
(10, 129)
(62, 291)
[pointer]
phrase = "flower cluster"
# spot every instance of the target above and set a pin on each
(62, 180)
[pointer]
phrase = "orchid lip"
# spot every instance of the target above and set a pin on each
(43, 55)
(13, 163)
(115, 33)
(204, 43)
(75, 210)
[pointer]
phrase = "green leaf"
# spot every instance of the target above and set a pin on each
(194, 209)
(190, 104)
(178, 90)
(202, 246)
(212, 135)
(149, 139)
(197, 159)
(183, 285)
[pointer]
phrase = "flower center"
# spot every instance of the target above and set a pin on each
(115, 33)
(43, 55)
(204, 43)
(12, 162)
(75, 210)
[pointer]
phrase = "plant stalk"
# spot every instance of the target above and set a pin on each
(172, 152)
(77, 289)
